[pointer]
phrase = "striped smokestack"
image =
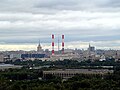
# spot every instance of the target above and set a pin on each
(62, 44)
(52, 44)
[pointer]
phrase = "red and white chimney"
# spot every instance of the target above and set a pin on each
(52, 44)
(62, 44)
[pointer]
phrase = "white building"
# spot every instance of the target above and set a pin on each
(1, 58)
(17, 56)
(102, 58)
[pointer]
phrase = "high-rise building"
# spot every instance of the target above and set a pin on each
(91, 48)
(39, 48)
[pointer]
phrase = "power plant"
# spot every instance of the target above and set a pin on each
(53, 44)
(61, 54)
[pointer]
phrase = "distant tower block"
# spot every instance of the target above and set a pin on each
(52, 44)
(39, 48)
(62, 44)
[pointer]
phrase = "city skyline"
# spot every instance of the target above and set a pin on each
(24, 22)
(68, 45)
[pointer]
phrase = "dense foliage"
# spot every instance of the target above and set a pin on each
(66, 63)
(32, 79)
(25, 79)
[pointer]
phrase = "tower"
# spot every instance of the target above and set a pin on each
(91, 48)
(62, 44)
(39, 48)
(89, 45)
(58, 45)
(52, 44)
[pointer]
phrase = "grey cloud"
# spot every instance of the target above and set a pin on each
(113, 3)
(87, 5)
(52, 6)
(27, 21)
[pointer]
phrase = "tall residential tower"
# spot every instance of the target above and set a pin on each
(39, 48)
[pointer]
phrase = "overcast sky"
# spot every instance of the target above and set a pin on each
(24, 22)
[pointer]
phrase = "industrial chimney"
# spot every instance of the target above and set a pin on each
(52, 44)
(62, 44)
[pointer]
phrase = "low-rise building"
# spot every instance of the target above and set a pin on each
(68, 73)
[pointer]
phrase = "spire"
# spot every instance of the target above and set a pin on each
(39, 43)
(89, 45)
(39, 48)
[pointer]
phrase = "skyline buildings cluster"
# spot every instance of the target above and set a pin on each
(68, 45)
(72, 54)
